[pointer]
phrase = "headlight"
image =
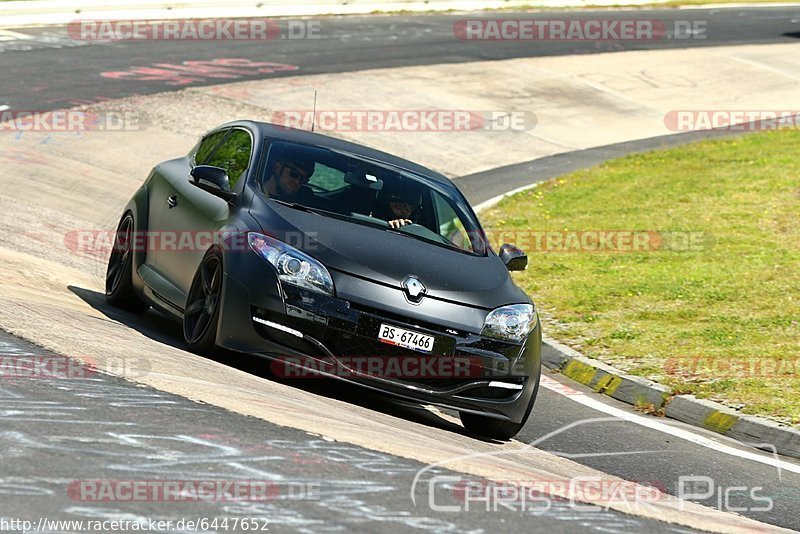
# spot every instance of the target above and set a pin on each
(510, 323)
(293, 266)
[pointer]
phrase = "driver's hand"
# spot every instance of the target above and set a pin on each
(398, 223)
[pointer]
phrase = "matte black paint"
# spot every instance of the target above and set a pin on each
(367, 265)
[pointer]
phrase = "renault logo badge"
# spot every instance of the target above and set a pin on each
(415, 289)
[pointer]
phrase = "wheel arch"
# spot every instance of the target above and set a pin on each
(139, 207)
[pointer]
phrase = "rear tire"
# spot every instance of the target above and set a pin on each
(201, 316)
(119, 274)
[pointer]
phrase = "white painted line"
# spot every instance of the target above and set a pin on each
(653, 424)
(743, 5)
(8, 35)
(494, 200)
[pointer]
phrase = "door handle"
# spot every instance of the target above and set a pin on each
(172, 201)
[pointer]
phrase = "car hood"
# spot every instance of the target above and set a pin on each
(387, 257)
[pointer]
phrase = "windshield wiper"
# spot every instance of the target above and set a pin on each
(332, 214)
(308, 209)
(294, 205)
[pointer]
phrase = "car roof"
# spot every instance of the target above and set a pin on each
(283, 133)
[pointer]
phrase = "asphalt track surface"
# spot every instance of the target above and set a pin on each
(313, 485)
(57, 71)
(49, 71)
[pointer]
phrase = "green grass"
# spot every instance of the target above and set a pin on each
(676, 315)
(678, 3)
(533, 6)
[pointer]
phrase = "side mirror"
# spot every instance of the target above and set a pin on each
(514, 258)
(213, 180)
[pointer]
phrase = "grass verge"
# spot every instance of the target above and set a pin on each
(699, 286)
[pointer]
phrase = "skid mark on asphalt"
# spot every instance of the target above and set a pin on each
(187, 72)
(320, 485)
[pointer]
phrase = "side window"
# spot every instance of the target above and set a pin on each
(450, 225)
(207, 147)
(233, 155)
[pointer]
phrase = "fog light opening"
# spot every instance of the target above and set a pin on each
(280, 327)
(504, 385)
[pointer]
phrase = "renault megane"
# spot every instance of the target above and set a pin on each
(328, 256)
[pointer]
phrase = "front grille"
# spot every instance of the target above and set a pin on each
(349, 345)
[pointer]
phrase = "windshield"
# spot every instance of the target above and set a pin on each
(369, 192)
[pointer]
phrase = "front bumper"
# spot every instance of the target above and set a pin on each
(338, 337)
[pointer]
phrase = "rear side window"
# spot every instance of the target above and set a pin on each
(233, 155)
(207, 146)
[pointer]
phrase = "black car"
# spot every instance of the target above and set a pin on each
(333, 259)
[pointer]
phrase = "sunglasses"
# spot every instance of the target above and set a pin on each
(404, 204)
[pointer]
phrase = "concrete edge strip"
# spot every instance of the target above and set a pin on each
(645, 394)
(603, 378)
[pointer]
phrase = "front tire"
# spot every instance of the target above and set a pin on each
(202, 307)
(498, 429)
(119, 274)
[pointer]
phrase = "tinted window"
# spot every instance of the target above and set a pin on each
(233, 155)
(207, 147)
(449, 223)
(370, 192)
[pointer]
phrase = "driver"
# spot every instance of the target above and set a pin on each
(288, 179)
(400, 208)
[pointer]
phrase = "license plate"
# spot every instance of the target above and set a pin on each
(405, 338)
